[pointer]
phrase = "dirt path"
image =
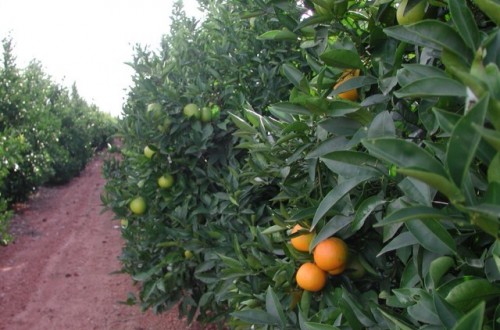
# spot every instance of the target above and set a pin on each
(57, 273)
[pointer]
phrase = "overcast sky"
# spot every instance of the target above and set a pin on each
(87, 42)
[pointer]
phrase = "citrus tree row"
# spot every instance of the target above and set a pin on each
(346, 177)
(47, 133)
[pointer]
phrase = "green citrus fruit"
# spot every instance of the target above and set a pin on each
(148, 152)
(138, 205)
(191, 110)
(206, 114)
(124, 223)
(165, 181)
(412, 15)
(155, 110)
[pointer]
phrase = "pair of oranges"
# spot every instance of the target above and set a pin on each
(330, 257)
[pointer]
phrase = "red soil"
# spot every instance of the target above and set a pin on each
(58, 273)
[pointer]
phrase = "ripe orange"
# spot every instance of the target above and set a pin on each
(330, 254)
(301, 242)
(310, 277)
(338, 270)
(351, 95)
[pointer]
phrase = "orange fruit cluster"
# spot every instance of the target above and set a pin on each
(330, 257)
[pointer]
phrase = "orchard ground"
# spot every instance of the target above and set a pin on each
(60, 272)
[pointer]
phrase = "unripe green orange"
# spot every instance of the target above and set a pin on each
(148, 152)
(138, 205)
(413, 15)
(191, 110)
(165, 181)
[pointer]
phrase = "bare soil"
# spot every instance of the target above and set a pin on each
(60, 272)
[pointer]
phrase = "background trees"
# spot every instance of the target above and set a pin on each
(47, 133)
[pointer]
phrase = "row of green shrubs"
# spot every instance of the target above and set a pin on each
(405, 171)
(47, 132)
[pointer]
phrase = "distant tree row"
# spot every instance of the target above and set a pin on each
(47, 132)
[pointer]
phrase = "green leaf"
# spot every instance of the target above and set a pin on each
(332, 144)
(340, 108)
(274, 308)
(492, 262)
(349, 164)
(491, 8)
(319, 326)
(442, 184)
(447, 120)
(486, 217)
(432, 87)
(446, 312)
(365, 209)
(255, 316)
(285, 20)
(473, 319)
(424, 310)
(361, 314)
(242, 124)
(336, 195)
(230, 262)
(465, 23)
(333, 226)
(410, 277)
(402, 240)
(342, 58)
(206, 298)
(464, 141)
(469, 293)
(396, 320)
(437, 269)
(432, 236)
(417, 191)
(493, 170)
(489, 135)
(433, 34)
(289, 108)
(295, 76)
(341, 126)
(382, 126)
(278, 35)
(144, 276)
(404, 154)
(413, 72)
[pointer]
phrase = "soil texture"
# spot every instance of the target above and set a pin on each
(61, 270)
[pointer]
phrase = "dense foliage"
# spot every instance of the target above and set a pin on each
(47, 133)
(331, 115)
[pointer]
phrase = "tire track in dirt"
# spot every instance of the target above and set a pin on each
(58, 272)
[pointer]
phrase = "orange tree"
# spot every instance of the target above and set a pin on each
(179, 246)
(330, 115)
(406, 172)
